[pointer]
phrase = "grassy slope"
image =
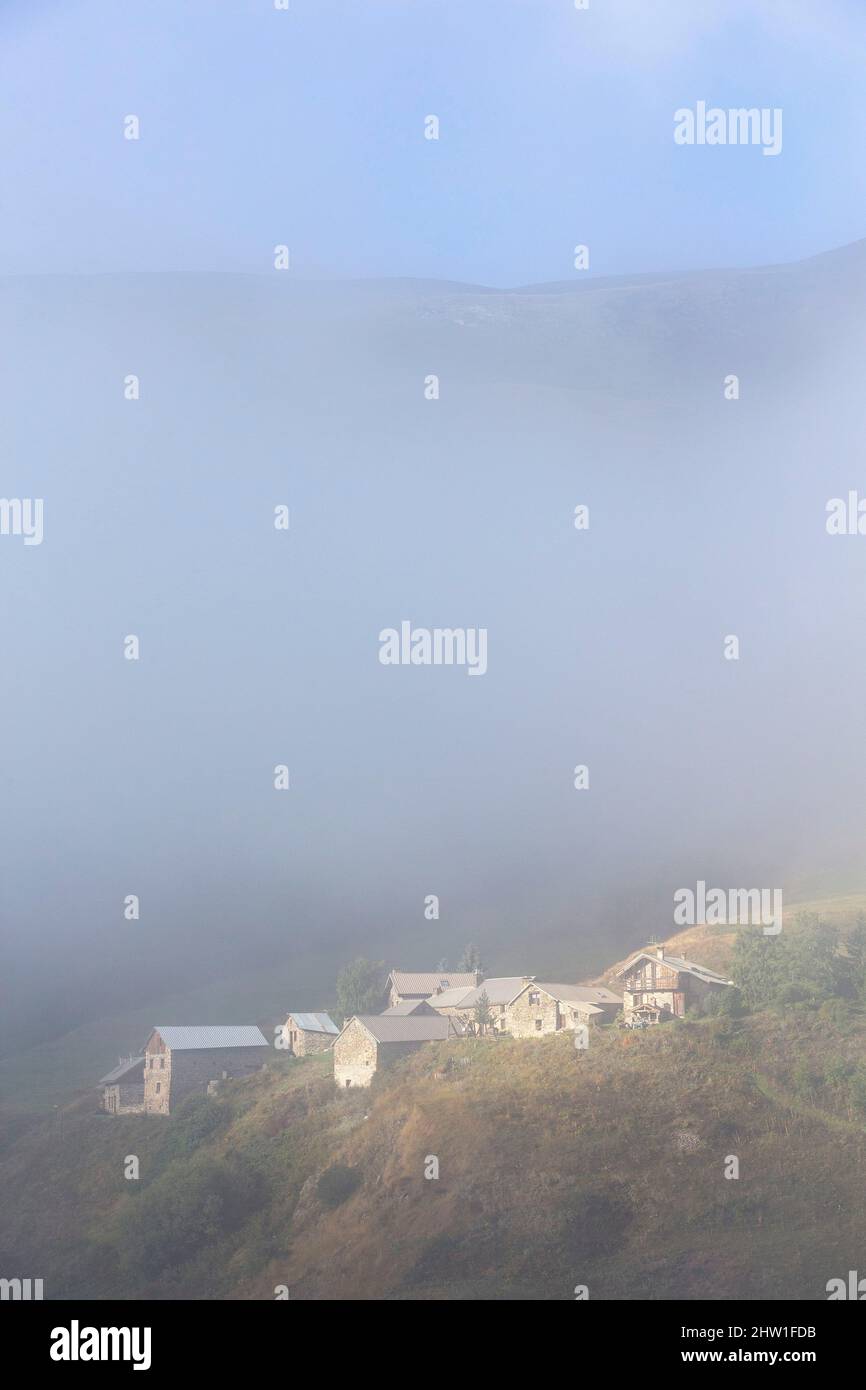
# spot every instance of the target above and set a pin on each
(556, 1168)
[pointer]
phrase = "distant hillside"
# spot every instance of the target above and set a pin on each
(556, 1168)
(713, 946)
(41, 1077)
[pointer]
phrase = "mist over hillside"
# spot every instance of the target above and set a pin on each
(260, 647)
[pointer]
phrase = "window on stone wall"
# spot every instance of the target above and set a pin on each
(158, 1087)
(534, 997)
(538, 1025)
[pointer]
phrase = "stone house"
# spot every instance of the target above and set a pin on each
(657, 986)
(461, 1003)
(370, 1041)
(546, 1007)
(180, 1061)
(308, 1033)
(123, 1088)
(408, 984)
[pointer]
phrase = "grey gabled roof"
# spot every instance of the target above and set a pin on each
(410, 1006)
(390, 1028)
(121, 1070)
(178, 1038)
(688, 967)
(451, 998)
(426, 982)
(314, 1023)
(579, 994)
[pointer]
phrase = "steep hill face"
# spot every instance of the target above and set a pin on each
(556, 1168)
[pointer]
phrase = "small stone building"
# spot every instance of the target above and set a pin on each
(371, 1041)
(657, 986)
(308, 1033)
(545, 1007)
(123, 1088)
(461, 1003)
(408, 984)
(181, 1061)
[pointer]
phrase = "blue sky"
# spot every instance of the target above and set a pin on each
(306, 127)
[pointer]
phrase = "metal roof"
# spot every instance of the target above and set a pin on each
(580, 994)
(122, 1069)
(500, 989)
(426, 982)
(450, 998)
(196, 1039)
(677, 963)
(314, 1023)
(412, 1028)
(413, 1006)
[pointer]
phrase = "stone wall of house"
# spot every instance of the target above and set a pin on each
(532, 1014)
(191, 1071)
(355, 1056)
(688, 993)
(157, 1077)
(669, 999)
(127, 1099)
(130, 1098)
(170, 1076)
(306, 1042)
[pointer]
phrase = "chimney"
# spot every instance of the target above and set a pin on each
(660, 952)
(528, 979)
(478, 978)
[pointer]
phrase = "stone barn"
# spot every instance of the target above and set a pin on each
(182, 1061)
(123, 1088)
(657, 986)
(371, 1041)
(308, 1033)
(461, 1003)
(413, 984)
(539, 1008)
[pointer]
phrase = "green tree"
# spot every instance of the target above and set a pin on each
(853, 962)
(802, 964)
(757, 967)
(361, 987)
(483, 1016)
(470, 959)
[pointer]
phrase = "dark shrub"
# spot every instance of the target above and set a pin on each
(195, 1120)
(597, 1220)
(192, 1204)
(337, 1184)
